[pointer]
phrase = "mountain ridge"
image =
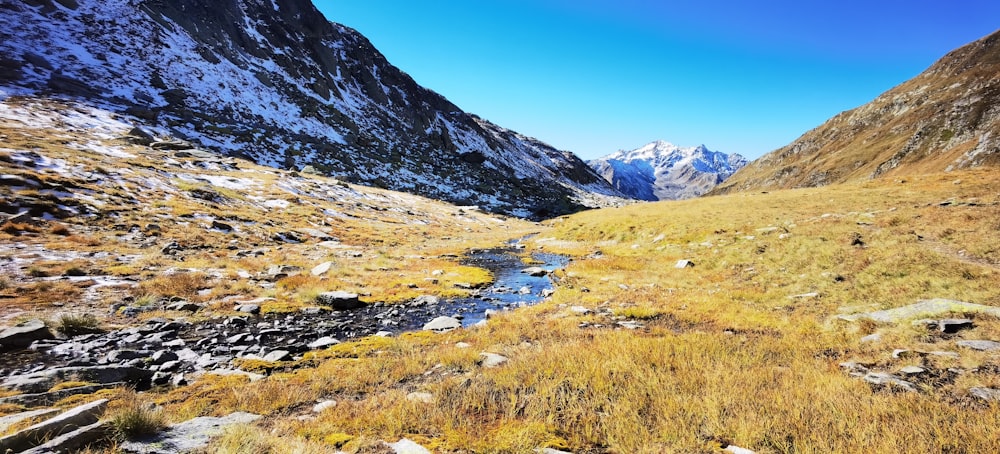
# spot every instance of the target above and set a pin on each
(661, 170)
(945, 118)
(275, 82)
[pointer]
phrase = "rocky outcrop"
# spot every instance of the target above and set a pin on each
(946, 118)
(277, 83)
(663, 171)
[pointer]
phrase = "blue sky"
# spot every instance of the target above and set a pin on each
(595, 76)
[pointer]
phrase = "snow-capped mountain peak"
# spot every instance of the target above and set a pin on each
(661, 170)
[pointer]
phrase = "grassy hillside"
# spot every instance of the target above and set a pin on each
(631, 354)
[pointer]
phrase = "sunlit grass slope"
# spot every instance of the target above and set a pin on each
(743, 348)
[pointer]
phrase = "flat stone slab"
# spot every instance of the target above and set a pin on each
(987, 394)
(47, 398)
(884, 379)
(7, 421)
(23, 334)
(84, 415)
(187, 436)
(981, 345)
(39, 382)
(72, 441)
(923, 308)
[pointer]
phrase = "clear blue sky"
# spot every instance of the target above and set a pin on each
(595, 76)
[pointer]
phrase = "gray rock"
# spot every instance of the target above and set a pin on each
(407, 446)
(981, 345)
(42, 381)
(318, 408)
(912, 370)
(422, 397)
(874, 337)
(924, 308)
(51, 397)
(163, 356)
(987, 394)
(248, 308)
(323, 342)
(184, 306)
(491, 360)
(72, 441)
(83, 415)
(442, 324)
(278, 355)
(23, 334)
(7, 421)
(681, 264)
(535, 271)
(426, 300)
(218, 225)
(630, 324)
(188, 436)
(551, 451)
(171, 145)
(321, 269)
(885, 379)
(733, 449)
(339, 300)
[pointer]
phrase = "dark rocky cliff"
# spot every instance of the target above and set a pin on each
(275, 82)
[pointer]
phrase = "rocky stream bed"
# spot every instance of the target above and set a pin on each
(167, 351)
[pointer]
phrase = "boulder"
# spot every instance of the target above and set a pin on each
(319, 407)
(442, 324)
(535, 271)
(23, 334)
(407, 446)
(491, 360)
(339, 300)
(681, 264)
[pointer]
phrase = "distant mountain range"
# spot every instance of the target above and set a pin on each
(275, 82)
(663, 171)
(946, 118)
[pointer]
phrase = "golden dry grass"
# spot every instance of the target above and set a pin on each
(743, 348)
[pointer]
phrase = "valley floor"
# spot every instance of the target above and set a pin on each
(759, 341)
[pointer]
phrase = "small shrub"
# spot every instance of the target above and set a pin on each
(132, 418)
(37, 272)
(74, 324)
(61, 230)
(75, 271)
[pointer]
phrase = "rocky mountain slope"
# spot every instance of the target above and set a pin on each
(946, 118)
(663, 171)
(275, 82)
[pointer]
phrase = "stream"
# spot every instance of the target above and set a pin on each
(175, 347)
